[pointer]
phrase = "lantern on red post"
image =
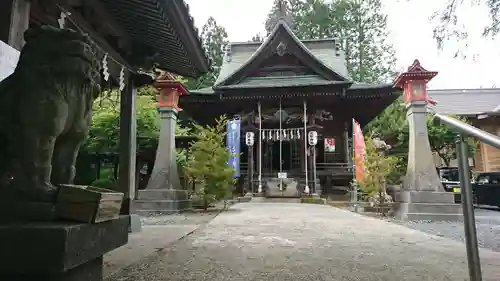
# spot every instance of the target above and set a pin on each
(414, 83)
(170, 91)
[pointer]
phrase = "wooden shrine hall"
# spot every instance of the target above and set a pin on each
(281, 89)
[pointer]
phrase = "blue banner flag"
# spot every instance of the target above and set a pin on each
(233, 145)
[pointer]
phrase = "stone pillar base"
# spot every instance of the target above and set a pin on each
(162, 201)
(426, 205)
(58, 251)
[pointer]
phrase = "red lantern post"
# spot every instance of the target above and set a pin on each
(414, 83)
(170, 91)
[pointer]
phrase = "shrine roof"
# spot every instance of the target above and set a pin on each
(284, 81)
(324, 54)
(166, 27)
(465, 102)
(295, 82)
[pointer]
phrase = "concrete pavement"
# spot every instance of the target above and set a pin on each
(286, 241)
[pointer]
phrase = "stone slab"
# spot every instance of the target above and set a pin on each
(143, 244)
(174, 194)
(56, 247)
(135, 223)
(427, 205)
(143, 207)
(424, 197)
(89, 271)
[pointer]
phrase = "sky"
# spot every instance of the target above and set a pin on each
(410, 32)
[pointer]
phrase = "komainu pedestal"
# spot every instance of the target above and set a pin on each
(58, 251)
(422, 196)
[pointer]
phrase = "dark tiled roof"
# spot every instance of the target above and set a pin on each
(283, 82)
(465, 102)
(324, 51)
(167, 28)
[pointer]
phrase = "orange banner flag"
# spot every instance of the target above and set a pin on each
(359, 150)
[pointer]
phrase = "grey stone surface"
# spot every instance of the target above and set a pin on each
(164, 192)
(135, 223)
(57, 247)
(487, 227)
(275, 241)
(426, 205)
(421, 172)
(157, 233)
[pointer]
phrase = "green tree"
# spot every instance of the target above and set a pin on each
(359, 26)
(448, 24)
(378, 167)
(214, 39)
(441, 139)
(104, 132)
(207, 163)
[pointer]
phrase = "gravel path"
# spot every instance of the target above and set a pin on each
(273, 241)
(487, 227)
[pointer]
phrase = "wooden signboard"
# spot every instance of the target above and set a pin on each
(88, 204)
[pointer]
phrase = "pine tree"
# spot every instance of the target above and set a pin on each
(214, 39)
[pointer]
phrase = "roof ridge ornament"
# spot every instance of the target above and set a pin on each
(227, 52)
(284, 13)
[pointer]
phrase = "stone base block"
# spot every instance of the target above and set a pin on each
(58, 251)
(155, 194)
(135, 223)
(427, 205)
(162, 201)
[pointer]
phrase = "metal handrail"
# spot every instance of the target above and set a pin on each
(471, 243)
(469, 130)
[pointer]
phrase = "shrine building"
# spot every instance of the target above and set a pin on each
(282, 89)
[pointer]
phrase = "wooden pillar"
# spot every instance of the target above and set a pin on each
(19, 23)
(347, 152)
(128, 145)
(250, 170)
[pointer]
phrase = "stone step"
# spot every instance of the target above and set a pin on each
(156, 194)
(424, 197)
(433, 217)
(437, 208)
(281, 200)
(162, 205)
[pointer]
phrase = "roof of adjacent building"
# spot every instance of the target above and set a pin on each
(167, 28)
(466, 102)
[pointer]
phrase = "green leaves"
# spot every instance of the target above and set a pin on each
(378, 167)
(359, 26)
(208, 161)
(441, 139)
(105, 129)
(214, 38)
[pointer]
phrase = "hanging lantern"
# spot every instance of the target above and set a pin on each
(312, 137)
(249, 138)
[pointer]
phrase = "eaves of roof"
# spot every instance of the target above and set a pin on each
(167, 28)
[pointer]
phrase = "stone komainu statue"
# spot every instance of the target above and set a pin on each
(45, 111)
